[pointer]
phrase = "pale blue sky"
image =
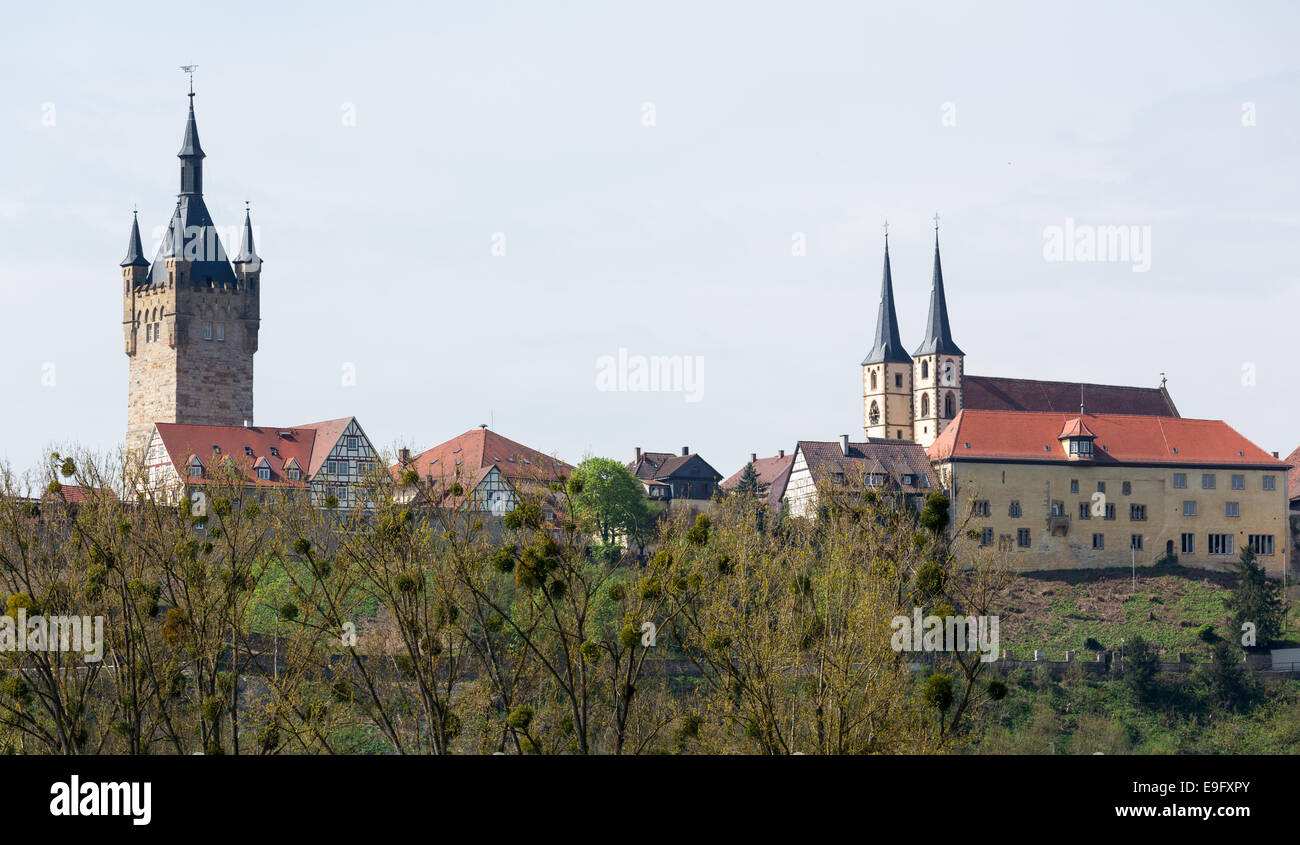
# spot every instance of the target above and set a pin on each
(771, 119)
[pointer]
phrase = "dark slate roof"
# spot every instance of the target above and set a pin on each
(191, 235)
(895, 458)
(190, 143)
(938, 335)
(985, 393)
(246, 252)
(887, 345)
(134, 251)
(659, 466)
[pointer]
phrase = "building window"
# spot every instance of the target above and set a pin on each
(1074, 485)
(839, 478)
(1220, 544)
(221, 331)
(1207, 481)
(1013, 510)
(1239, 482)
(352, 441)
(1110, 511)
(1128, 488)
(264, 473)
(1058, 508)
(873, 380)
(148, 332)
(196, 469)
(1189, 544)
(980, 507)
(1180, 480)
(1135, 542)
(898, 379)
(925, 370)
(207, 331)
(1101, 487)
(1189, 508)
(295, 475)
(1080, 446)
(925, 404)
(1022, 538)
(1085, 510)
(1099, 541)
(1137, 513)
(1232, 510)
(1270, 482)
(1261, 544)
(948, 406)
(986, 537)
(909, 480)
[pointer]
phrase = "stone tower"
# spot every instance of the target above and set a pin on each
(938, 365)
(887, 372)
(190, 317)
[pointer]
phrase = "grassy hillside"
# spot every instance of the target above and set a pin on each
(1056, 611)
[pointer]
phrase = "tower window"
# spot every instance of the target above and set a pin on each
(948, 406)
(925, 404)
(873, 379)
(207, 331)
(925, 369)
(221, 331)
(148, 332)
(898, 379)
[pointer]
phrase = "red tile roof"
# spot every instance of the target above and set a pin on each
(773, 472)
(988, 393)
(477, 451)
(1120, 439)
(307, 444)
(1293, 491)
(1075, 428)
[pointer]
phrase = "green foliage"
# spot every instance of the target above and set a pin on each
(609, 501)
(937, 692)
(1257, 599)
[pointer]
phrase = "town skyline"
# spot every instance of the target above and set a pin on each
(489, 294)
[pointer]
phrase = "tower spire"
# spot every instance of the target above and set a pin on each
(887, 345)
(247, 253)
(134, 251)
(191, 154)
(938, 335)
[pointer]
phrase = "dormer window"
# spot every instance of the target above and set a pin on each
(264, 473)
(196, 467)
(248, 450)
(1081, 446)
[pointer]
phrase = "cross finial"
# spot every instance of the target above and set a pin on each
(886, 226)
(190, 70)
(936, 221)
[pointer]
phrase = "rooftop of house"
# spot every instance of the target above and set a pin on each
(1038, 437)
(472, 454)
(304, 447)
(773, 475)
(898, 459)
(659, 466)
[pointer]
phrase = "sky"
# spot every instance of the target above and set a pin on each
(467, 211)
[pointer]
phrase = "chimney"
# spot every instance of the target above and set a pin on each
(781, 454)
(1275, 454)
(404, 455)
(638, 455)
(753, 456)
(249, 424)
(686, 450)
(844, 445)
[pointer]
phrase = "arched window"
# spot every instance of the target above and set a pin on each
(925, 404)
(874, 415)
(925, 369)
(948, 405)
(873, 379)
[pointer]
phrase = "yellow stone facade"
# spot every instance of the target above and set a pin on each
(1049, 497)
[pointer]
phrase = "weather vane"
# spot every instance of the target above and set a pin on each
(190, 70)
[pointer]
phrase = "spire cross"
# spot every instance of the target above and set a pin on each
(936, 221)
(886, 227)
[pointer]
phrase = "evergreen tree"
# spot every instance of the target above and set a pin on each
(1256, 599)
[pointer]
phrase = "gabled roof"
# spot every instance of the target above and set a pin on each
(986, 393)
(938, 335)
(887, 345)
(1293, 488)
(183, 442)
(1119, 439)
(306, 446)
(773, 472)
(480, 449)
(663, 466)
(895, 458)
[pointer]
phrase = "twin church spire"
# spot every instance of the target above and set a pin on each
(912, 397)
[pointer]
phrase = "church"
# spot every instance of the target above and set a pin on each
(1065, 475)
(914, 397)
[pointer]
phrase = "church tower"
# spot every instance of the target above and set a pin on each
(938, 365)
(887, 372)
(190, 317)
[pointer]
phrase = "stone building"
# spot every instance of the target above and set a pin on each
(190, 316)
(1070, 491)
